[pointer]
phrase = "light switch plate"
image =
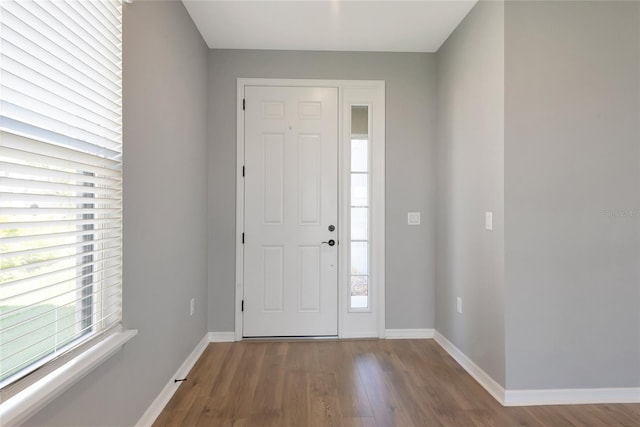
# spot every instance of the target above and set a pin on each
(488, 220)
(413, 218)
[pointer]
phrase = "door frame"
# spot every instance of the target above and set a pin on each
(346, 328)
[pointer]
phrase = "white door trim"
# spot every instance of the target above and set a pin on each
(378, 199)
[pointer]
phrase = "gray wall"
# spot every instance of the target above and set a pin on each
(410, 115)
(165, 179)
(470, 135)
(572, 153)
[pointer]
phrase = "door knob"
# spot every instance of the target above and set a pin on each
(330, 242)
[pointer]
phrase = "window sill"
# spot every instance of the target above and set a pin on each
(26, 403)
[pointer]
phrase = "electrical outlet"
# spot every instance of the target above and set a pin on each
(459, 305)
(192, 307)
(413, 218)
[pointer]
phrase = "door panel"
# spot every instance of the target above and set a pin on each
(291, 183)
(273, 278)
(309, 278)
(273, 178)
(310, 179)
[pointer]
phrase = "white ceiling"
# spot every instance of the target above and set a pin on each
(354, 25)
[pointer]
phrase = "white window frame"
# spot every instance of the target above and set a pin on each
(19, 407)
(28, 394)
(361, 323)
(351, 324)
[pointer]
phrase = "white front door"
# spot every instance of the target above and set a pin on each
(291, 208)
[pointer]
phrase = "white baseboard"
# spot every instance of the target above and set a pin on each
(578, 396)
(489, 384)
(156, 407)
(398, 334)
(538, 397)
(222, 336)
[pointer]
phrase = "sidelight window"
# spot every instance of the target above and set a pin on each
(359, 298)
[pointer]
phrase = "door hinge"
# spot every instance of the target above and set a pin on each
(243, 171)
(243, 238)
(243, 104)
(242, 306)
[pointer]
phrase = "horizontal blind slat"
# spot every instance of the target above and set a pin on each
(49, 288)
(114, 221)
(15, 48)
(59, 86)
(21, 282)
(109, 30)
(61, 211)
(36, 124)
(38, 47)
(59, 260)
(108, 104)
(8, 153)
(24, 185)
(8, 253)
(6, 196)
(117, 276)
(58, 235)
(57, 107)
(84, 39)
(96, 38)
(22, 170)
(103, 157)
(102, 11)
(107, 292)
(48, 29)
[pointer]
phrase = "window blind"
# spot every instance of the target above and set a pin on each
(60, 178)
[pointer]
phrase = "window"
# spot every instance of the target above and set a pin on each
(359, 212)
(60, 178)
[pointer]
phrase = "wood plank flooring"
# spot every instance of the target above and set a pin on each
(354, 383)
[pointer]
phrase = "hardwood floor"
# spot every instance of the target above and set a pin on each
(354, 383)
